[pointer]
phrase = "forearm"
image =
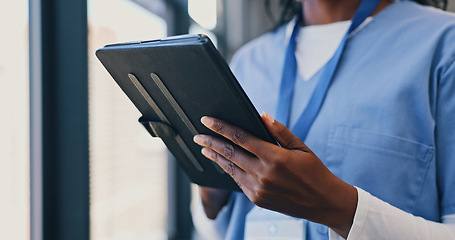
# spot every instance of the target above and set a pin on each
(213, 200)
(375, 219)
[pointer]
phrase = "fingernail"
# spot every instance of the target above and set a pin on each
(206, 152)
(267, 117)
(198, 139)
(207, 121)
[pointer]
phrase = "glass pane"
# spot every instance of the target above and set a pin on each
(128, 168)
(203, 12)
(14, 121)
(451, 5)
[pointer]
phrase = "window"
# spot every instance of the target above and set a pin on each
(128, 168)
(14, 121)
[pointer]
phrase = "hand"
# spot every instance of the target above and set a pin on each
(289, 178)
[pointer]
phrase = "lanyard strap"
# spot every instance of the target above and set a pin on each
(289, 74)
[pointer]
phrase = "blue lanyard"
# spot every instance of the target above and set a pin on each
(306, 119)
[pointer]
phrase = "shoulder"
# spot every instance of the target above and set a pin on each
(419, 17)
(261, 52)
(423, 28)
(417, 11)
(438, 26)
(416, 18)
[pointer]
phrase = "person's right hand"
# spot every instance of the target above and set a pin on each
(213, 200)
(289, 178)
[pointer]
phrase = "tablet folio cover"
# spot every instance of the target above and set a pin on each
(174, 82)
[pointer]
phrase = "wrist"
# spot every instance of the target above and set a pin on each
(213, 200)
(343, 217)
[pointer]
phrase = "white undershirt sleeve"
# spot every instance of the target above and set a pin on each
(376, 219)
(207, 228)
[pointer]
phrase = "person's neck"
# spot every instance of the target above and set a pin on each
(318, 12)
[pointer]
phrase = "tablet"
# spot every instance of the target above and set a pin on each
(174, 82)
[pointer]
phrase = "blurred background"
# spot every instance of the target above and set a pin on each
(74, 161)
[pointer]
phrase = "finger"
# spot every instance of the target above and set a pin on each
(256, 146)
(282, 134)
(230, 152)
(242, 178)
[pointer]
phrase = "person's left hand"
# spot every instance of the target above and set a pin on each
(289, 178)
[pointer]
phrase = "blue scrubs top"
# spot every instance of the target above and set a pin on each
(388, 122)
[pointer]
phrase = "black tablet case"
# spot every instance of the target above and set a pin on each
(174, 82)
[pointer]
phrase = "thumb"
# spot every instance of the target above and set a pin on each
(282, 134)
